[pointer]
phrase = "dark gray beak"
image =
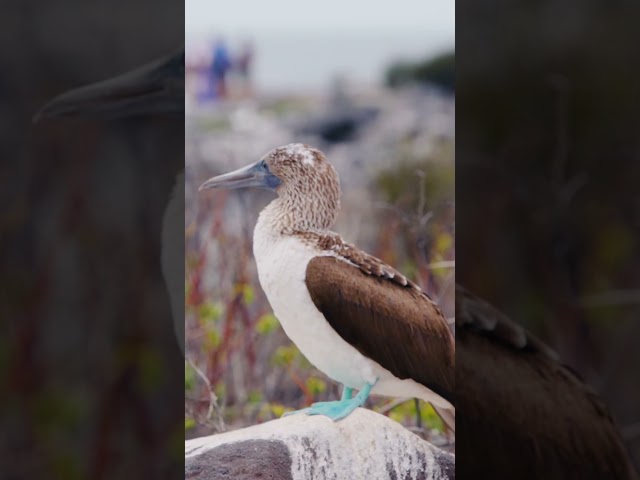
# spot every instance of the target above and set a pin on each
(157, 87)
(254, 175)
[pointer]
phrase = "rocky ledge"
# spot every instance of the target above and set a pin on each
(365, 445)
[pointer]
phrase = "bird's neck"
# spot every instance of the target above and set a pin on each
(286, 215)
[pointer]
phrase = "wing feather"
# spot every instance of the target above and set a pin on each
(522, 412)
(386, 318)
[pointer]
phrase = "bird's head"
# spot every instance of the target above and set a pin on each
(307, 185)
(157, 87)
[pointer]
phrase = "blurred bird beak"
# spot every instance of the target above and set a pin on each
(153, 88)
(254, 175)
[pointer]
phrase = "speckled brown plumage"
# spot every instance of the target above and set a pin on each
(309, 195)
(333, 243)
(521, 413)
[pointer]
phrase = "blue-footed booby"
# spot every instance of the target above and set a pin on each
(156, 87)
(358, 320)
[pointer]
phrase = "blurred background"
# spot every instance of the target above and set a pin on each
(372, 88)
(547, 184)
(89, 365)
(547, 201)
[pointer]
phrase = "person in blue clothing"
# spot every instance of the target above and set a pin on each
(220, 65)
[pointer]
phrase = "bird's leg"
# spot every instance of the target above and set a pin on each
(341, 408)
(347, 393)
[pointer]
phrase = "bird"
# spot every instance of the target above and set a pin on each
(355, 318)
(157, 87)
(524, 413)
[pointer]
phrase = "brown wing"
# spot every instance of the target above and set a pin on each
(475, 315)
(521, 412)
(396, 325)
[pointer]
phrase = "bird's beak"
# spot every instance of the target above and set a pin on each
(153, 88)
(254, 175)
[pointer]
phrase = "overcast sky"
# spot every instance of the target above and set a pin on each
(353, 38)
(251, 16)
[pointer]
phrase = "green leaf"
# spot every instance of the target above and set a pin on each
(189, 423)
(209, 312)
(220, 389)
(410, 269)
(248, 295)
(255, 396)
(267, 324)
(444, 242)
(397, 416)
(285, 355)
(189, 377)
(430, 417)
(277, 409)
(316, 385)
(213, 340)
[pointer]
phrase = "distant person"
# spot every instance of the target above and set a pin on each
(198, 85)
(220, 66)
(243, 67)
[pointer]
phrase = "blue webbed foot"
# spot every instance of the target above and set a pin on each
(295, 412)
(334, 410)
(338, 409)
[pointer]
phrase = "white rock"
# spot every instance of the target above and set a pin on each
(365, 445)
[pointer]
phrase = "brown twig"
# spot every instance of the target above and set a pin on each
(213, 399)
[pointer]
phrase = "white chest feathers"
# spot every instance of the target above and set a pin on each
(282, 263)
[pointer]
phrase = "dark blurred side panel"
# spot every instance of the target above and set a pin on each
(90, 368)
(548, 228)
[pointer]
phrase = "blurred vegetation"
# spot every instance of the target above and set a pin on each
(549, 122)
(421, 220)
(440, 71)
